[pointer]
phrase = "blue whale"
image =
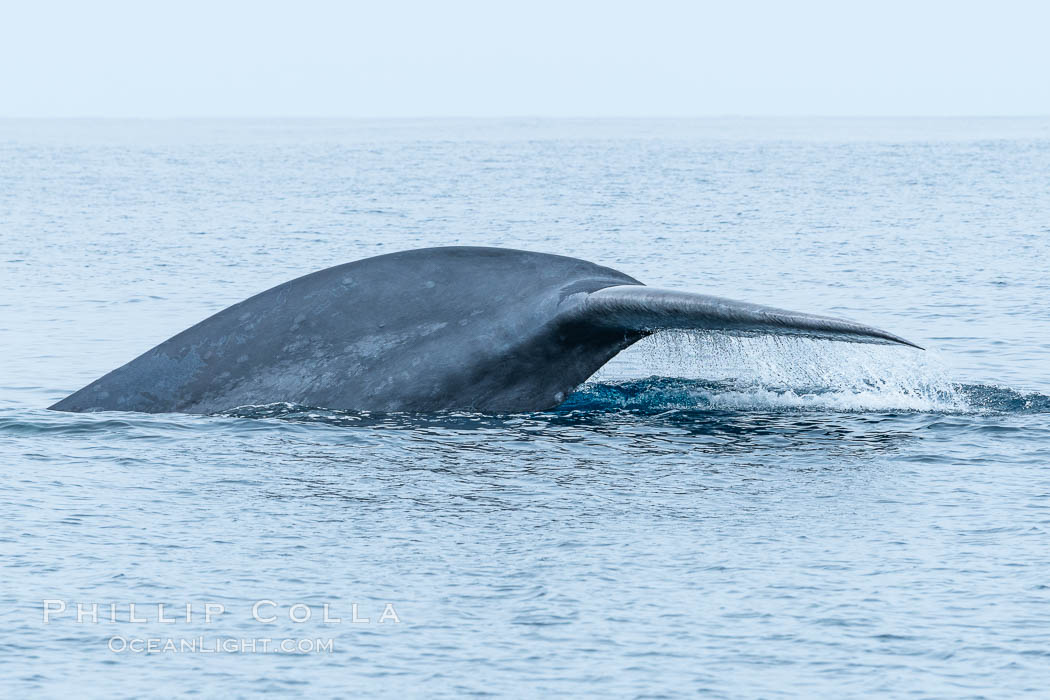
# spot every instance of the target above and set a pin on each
(482, 329)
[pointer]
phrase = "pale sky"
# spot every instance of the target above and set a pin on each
(408, 58)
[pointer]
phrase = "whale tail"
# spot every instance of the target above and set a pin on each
(641, 309)
(482, 329)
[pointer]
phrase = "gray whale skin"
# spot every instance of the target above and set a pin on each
(483, 329)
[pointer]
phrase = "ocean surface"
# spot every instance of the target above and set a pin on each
(736, 517)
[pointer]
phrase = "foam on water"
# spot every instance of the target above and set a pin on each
(656, 394)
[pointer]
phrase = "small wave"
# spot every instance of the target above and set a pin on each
(997, 399)
(118, 425)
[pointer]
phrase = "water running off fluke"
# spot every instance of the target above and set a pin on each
(709, 371)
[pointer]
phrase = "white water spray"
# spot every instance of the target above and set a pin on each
(784, 372)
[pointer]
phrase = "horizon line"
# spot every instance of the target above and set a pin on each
(509, 116)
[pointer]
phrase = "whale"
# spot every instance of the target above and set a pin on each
(480, 329)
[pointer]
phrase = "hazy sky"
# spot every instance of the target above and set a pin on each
(450, 58)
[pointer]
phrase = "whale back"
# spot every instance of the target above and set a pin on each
(436, 328)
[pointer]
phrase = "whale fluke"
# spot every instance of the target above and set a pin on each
(648, 309)
(484, 329)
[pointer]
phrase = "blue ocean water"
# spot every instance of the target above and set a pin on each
(739, 517)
